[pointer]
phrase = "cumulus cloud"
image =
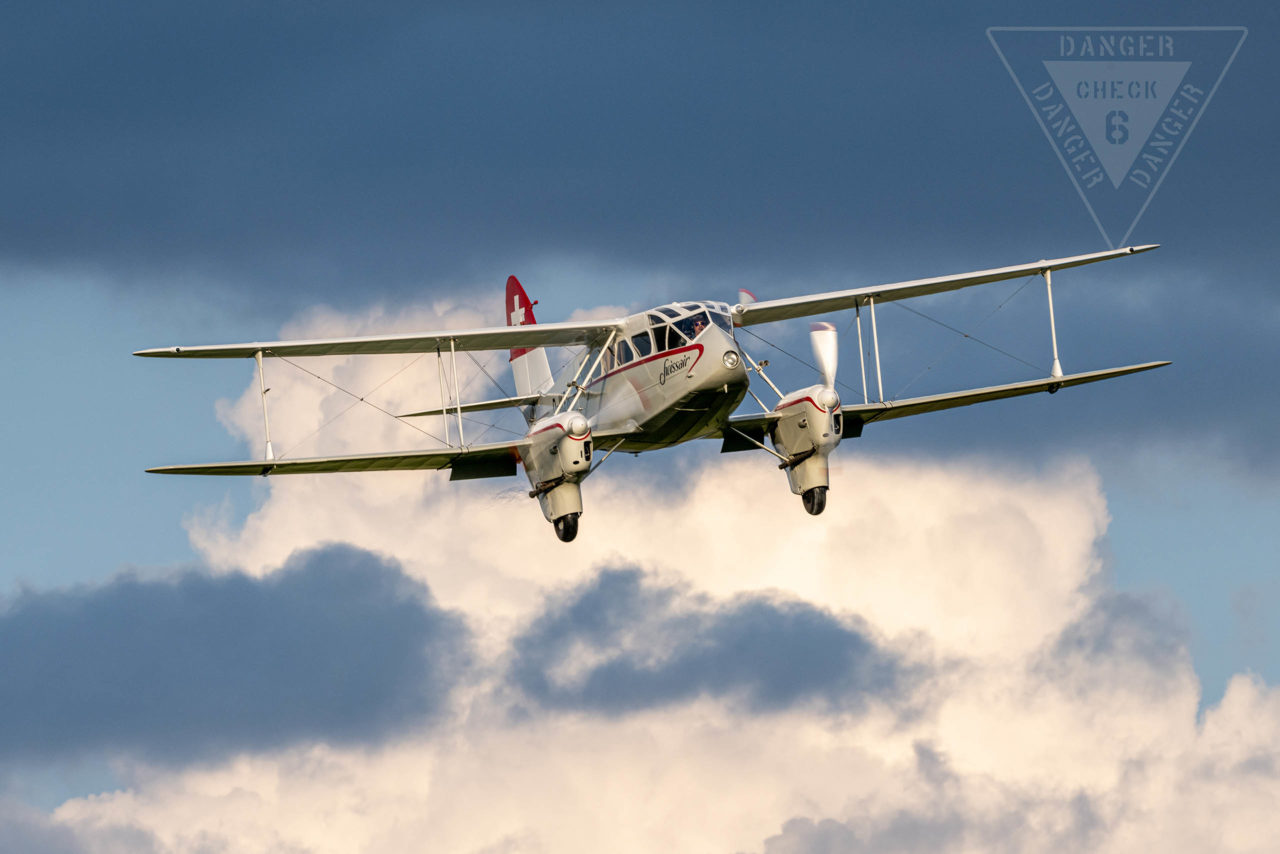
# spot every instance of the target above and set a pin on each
(338, 645)
(29, 831)
(617, 644)
(24, 829)
(739, 686)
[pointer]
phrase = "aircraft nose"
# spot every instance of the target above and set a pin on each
(723, 362)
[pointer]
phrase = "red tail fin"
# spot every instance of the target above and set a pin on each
(529, 366)
(519, 311)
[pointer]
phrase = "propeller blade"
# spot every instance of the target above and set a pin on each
(826, 351)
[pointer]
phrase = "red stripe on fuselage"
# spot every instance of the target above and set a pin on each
(666, 354)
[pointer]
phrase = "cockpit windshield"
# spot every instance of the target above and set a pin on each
(717, 311)
(693, 325)
(688, 320)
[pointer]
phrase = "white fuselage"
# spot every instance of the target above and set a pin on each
(671, 374)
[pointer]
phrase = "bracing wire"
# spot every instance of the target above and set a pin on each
(359, 399)
(785, 352)
(496, 384)
(963, 337)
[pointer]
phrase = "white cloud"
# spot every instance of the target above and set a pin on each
(1048, 718)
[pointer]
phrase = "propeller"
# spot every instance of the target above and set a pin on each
(826, 352)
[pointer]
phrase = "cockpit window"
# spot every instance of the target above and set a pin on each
(624, 353)
(693, 325)
(669, 312)
(723, 321)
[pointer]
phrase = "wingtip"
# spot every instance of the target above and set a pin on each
(1146, 247)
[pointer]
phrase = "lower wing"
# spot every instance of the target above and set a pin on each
(495, 460)
(868, 412)
(753, 424)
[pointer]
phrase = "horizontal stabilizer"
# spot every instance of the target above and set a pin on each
(868, 412)
(473, 459)
(482, 406)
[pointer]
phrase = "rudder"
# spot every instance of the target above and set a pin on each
(529, 366)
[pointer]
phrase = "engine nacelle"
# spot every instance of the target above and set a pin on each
(808, 431)
(559, 456)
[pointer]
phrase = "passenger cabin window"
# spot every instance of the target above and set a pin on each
(642, 344)
(660, 337)
(665, 337)
(624, 353)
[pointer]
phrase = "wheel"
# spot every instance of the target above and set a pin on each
(567, 527)
(815, 500)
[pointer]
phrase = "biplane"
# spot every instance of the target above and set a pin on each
(650, 380)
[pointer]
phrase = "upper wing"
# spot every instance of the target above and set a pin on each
(804, 306)
(755, 424)
(494, 460)
(491, 338)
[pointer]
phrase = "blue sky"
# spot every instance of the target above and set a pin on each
(200, 175)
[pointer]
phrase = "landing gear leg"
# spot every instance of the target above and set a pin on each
(815, 500)
(567, 526)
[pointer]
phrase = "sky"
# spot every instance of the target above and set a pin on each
(1039, 624)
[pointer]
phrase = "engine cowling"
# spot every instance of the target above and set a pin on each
(559, 456)
(810, 428)
(573, 450)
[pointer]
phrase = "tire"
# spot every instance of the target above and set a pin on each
(567, 527)
(815, 500)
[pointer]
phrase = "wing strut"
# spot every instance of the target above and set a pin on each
(262, 386)
(875, 345)
(1056, 370)
(457, 392)
(862, 350)
(444, 401)
(759, 369)
(608, 342)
